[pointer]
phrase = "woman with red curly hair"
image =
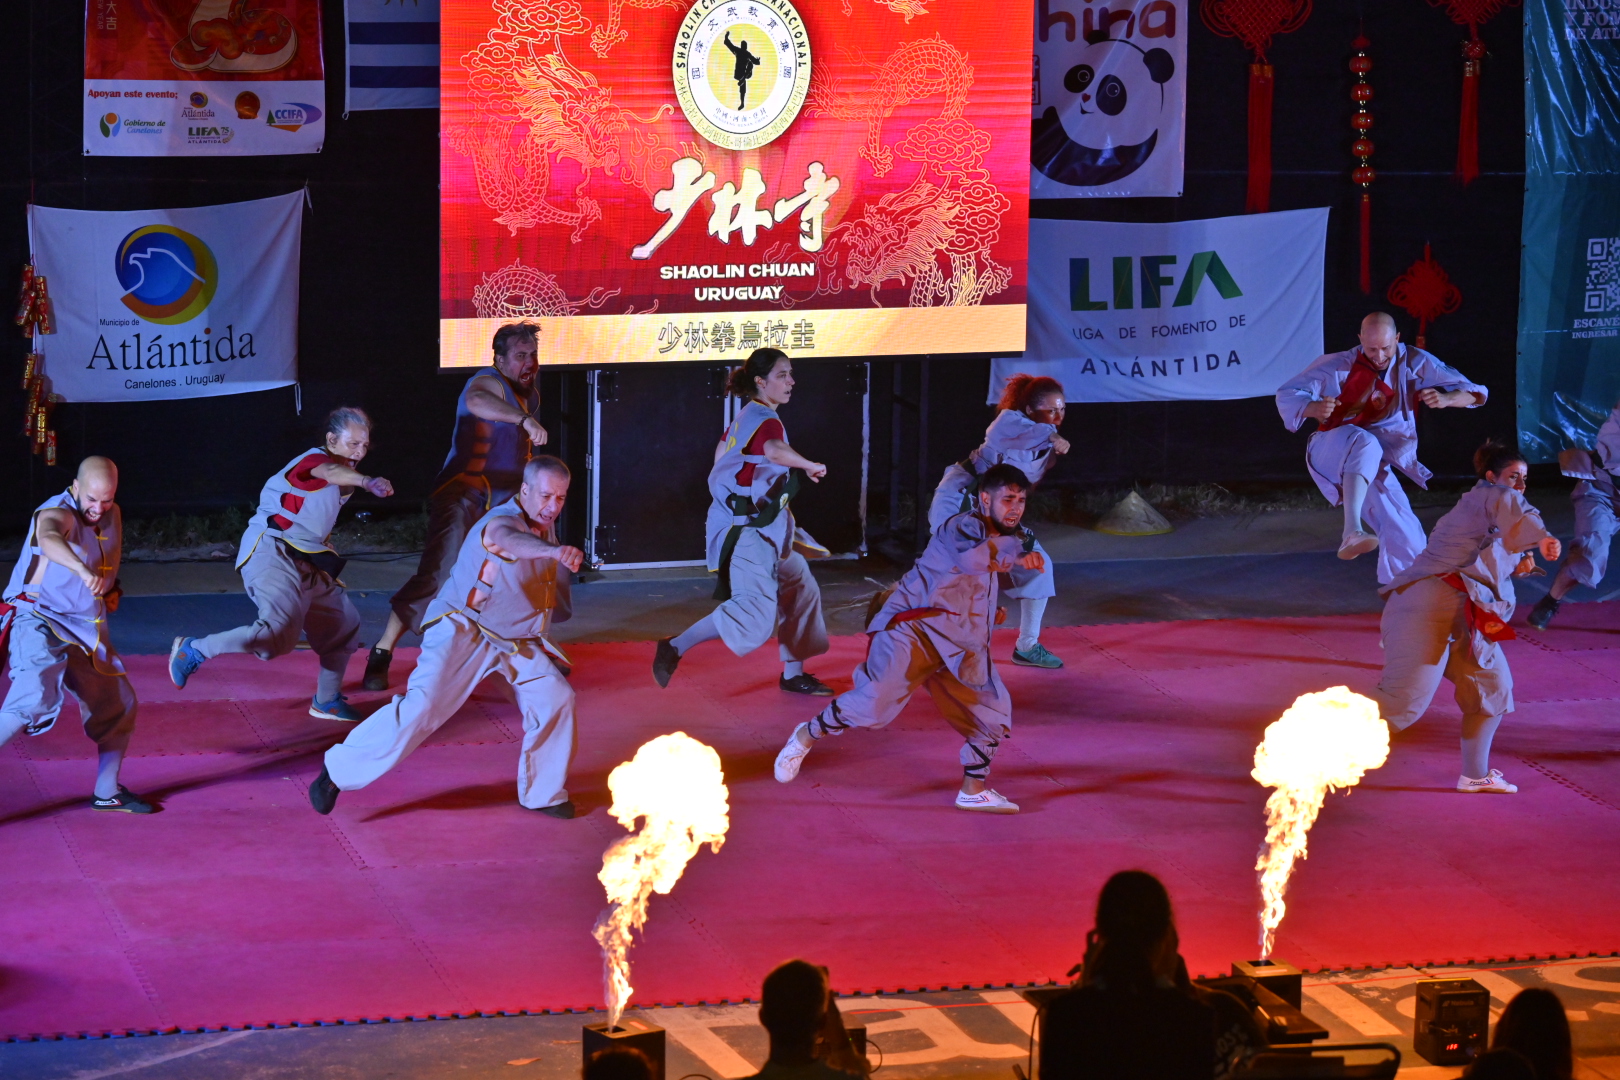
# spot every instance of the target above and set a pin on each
(1023, 435)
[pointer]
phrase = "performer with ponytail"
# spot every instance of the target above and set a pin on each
(290, 570)
(1448, 612)
(765, 585)
(1023, 435)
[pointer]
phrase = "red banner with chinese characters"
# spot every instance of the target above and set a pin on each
(664, 180)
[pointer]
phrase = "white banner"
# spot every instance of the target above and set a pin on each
(1202, 310)
(1110, 99)
(170, 303)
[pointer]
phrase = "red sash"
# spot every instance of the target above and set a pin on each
(1482, 619)
(1365, 399)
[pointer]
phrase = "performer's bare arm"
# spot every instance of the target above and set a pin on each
(335, 472)
(780, 453)
(510, 540)
(52, 532)
(486, 402)
(1450, 399)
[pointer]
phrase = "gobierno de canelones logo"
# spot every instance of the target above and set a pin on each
(168, 275)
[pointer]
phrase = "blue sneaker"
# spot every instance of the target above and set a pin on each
(336, 709)
(184, 660)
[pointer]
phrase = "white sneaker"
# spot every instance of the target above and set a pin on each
(1492, 784)
(1357, 543)
(792, 756)
(988, 801)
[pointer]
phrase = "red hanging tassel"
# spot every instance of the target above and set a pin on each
(1473, 52)
(1261, 82)
(1366, 242)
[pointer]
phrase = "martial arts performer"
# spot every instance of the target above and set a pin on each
(63, 586)
(495, 433)
(1447, 613)
(1365, 401)
(934, 630)
(1023, 435)
(290, 570)
(765, 584)
(490, 618)
(1597, 513)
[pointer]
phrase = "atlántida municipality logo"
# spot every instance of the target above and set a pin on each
(110, 125)
(742, 70)
(169, 276)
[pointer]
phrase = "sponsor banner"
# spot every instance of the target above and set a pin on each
(209, 78)
(1569, 290)
(393, 54)
(684, 181)
(1201, 310)
(170, 303)
(1110, 102)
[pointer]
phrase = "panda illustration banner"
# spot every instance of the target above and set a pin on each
(1110, 99)
(170, 303)
(1200, 310)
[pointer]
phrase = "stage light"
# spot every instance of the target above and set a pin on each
(1453, 1018)
(1272, 991)
(631, 1034)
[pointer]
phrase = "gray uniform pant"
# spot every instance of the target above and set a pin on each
(1595, 525)
(1332, 455)
(1427, 636)
(452, 511)
(898, 661)
(455, 658)
(293, 597)
(42, 666)
(771, 595)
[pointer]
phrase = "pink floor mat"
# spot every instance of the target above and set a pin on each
(433, 892)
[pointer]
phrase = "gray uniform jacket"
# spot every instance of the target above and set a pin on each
(753, 476)
(508, 599)
(72, 611)
(1014, 439)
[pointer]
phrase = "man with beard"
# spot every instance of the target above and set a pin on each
(933, 630)
(496, 431)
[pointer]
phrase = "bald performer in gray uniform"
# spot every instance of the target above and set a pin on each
(63, 586)
(510, 580)
(934, 630)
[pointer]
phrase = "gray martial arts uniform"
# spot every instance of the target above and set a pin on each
(281, 559)
(1430, 628)
(1011, 439)
(772, 589)
(59, 641)
(934, 631)
(483, 469)
(1597, 508)
(490, 618)
(1376, 450)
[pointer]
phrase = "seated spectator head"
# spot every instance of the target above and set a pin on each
(1133, 944)
(619, 1063)
(1535, 1025)
(1501, 1065)
(792, 1008)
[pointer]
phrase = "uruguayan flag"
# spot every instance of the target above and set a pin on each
(393, 54)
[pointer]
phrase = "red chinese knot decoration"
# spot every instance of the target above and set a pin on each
(1255, 23)
(1426, 292)
(1472, 14)
(1363, 174)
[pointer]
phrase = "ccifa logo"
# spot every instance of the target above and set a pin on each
(169, 276)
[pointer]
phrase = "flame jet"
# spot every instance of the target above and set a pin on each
(675, 783)
(1325, 741)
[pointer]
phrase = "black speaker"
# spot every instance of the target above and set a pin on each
(1453, 1019)
(635, 1034)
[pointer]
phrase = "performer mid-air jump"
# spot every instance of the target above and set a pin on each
(765, 585)
(1023, 435)
(1597, 515)
(934, 630)
(1365, 401)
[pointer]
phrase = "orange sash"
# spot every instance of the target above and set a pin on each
(1482, 619)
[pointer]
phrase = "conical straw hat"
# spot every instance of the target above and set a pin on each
(1133, 516)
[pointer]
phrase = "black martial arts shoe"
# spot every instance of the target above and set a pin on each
(1543, 612)
(377, 669)
(665, 661)
(126, 802)
(805, 684)
(563, 810)
(323, 793)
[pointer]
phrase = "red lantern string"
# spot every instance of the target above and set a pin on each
(1255, 23)
(1426, 292)
(34, 316)
(1362, 148)
(1470, 13)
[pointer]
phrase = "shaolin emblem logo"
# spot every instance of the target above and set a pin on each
(742, 70)
(168, 275)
